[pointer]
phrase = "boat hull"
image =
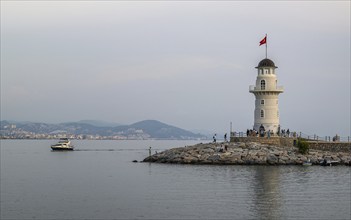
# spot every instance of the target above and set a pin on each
(61, 149)
(307, 164)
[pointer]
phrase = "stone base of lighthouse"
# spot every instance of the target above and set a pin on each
(268, 127)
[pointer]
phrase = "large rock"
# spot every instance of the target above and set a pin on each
(214, 158)
(272, 159)
(207, 150)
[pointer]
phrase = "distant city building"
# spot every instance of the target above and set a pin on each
(10, 126)
(266, 92)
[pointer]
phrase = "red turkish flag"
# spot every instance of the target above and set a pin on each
(263, 41)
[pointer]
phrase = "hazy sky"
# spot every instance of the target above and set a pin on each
(188, 64)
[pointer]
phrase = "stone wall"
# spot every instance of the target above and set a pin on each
(277, 141)
(330, 146)
(290, 141)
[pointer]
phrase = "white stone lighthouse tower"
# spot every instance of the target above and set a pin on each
(266, 92)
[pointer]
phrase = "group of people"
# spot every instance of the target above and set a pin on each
(263, 133)
(285, 133)
(251, 133)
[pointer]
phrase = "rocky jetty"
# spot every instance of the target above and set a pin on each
(251, 153)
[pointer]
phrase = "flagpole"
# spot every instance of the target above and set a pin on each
(266, 46)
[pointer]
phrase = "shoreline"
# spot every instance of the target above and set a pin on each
(249, 153)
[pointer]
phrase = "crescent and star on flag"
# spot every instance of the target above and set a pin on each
(264, 41)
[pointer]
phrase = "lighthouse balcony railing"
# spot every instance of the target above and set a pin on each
(253, 88)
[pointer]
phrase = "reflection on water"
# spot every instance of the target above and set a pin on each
(267, 195)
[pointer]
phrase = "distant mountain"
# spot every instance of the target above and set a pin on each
(161, 130)
(99, 123)
(141, 130)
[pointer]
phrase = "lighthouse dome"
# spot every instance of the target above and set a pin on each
(266, 63)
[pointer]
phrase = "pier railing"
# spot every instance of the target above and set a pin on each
(315, 137)
(308, 137)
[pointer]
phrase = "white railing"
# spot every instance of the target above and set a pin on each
(254, 88)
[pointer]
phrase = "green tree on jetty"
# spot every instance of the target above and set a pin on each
(303, 146)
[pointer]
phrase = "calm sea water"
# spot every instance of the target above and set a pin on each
(100, 182)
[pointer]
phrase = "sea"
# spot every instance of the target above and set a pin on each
(100, 181)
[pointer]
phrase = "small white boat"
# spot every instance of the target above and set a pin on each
(63, 144)
(328, 162)
(307, 163)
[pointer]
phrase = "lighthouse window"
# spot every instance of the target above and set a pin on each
(262, 101)
(266, 71)
(263, 84)
(262, 113)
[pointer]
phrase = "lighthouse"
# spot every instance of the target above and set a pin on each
(266, 93)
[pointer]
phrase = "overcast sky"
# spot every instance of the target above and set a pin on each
(187, 64)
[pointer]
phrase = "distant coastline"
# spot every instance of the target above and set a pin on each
(143, 130)
(104, 138)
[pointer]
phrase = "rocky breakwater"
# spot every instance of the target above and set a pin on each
(245, 154)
